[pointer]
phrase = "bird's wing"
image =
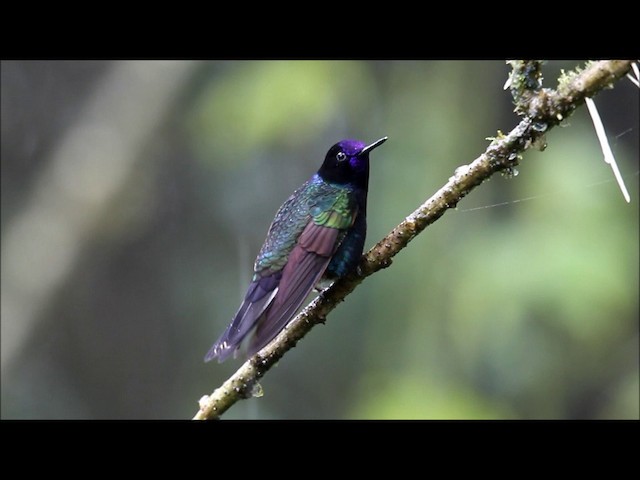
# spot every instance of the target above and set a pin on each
(305, 265)
(281, 239)
(259, 296)
(286, 270)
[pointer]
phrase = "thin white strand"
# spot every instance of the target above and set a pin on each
(606, 149)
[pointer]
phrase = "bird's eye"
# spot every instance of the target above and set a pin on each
(341, 156)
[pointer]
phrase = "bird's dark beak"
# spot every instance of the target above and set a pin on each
(375, 144)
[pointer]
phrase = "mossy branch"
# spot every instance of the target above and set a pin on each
(541, 109)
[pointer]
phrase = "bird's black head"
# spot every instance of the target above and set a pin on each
(347, 162)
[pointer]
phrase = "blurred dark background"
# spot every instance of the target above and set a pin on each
(136, 194)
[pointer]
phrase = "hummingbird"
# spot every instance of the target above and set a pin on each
(316, 237)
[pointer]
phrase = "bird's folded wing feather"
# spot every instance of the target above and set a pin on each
(307, 262)
(258, 297)
(277, 291)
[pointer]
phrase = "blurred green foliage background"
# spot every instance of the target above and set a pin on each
(136, 194)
